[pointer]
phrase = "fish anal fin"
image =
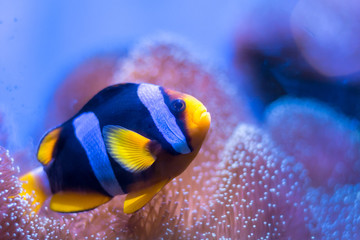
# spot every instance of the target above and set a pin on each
(136, 200)
(71, 201)
(128, 148)
(47, 146)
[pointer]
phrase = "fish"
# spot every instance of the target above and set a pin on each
(128, 139)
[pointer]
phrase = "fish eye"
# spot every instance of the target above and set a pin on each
(178, 105)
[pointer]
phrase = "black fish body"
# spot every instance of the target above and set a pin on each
(115, 105)
(128, 138)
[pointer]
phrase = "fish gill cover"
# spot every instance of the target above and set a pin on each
(272, 167)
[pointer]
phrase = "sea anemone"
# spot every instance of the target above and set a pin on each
(325, 141)
(179, 70)
(242, 185)
(335, 215)
(253, 192)
(206, 199)
(16, 219)
(260, 190)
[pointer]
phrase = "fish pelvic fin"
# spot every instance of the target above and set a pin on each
(128, 148)
(136, 200)
(36, 188)
(47, 146)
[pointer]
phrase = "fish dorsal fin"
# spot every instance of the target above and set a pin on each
(71, 201)
(136, 200)
(47, 146)
(128, 148)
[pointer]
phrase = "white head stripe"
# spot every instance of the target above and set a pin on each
(87, 131)
(151, 96)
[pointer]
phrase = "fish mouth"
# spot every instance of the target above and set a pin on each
(202, 117)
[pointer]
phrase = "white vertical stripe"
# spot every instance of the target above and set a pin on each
(87, 131)
(151, 96)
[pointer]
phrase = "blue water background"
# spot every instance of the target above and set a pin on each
(41, 41)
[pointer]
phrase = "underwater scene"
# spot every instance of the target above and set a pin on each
(180, 119)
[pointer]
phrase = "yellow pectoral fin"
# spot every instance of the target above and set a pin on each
(128, 148)
(47, 146)
(136, 200)
(77, 201)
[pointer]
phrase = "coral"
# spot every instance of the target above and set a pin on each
(336, 216)
(326, 142)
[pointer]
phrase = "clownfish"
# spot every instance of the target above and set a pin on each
(128, 139)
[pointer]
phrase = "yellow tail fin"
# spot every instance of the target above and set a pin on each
(35, 185)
